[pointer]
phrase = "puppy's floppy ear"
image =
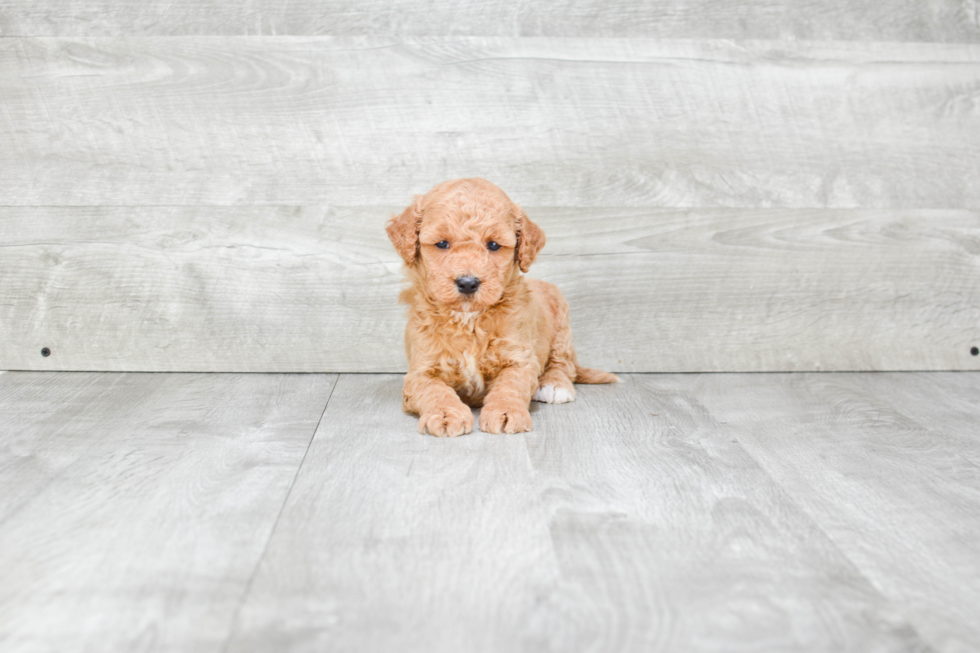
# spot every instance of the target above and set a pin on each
(530, 240)
(403, 230)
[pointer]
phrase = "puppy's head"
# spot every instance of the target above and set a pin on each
(465, 241)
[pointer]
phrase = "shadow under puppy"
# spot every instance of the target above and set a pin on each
(478, 332)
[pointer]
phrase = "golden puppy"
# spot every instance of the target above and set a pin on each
(478, 332)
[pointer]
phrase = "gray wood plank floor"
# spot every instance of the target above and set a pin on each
(142, 503)
(226, 512)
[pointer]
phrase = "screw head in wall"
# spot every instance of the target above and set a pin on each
(45, 352)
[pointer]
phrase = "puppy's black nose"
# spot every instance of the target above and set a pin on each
(467, 285)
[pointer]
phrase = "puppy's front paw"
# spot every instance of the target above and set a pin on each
(447, 422)
(505, 419)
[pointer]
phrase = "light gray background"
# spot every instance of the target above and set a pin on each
(752, 186)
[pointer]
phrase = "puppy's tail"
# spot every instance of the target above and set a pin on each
(589, 375)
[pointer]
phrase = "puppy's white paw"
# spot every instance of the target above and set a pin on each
(564, 395)
(545, 394)
(549, 394)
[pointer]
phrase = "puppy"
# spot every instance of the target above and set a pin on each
(479, 333)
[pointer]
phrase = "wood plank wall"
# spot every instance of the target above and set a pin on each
(753, 186)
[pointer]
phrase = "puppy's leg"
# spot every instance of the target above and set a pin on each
(556, 385)
(440, 410)
(505, 408)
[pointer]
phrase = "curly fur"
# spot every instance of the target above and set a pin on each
(499, 347)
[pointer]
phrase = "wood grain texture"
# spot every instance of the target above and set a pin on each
(42, 413)
(944, 404)
(621, 532)
(284, 289)
(392, 540)
(670, 537)
(886, 20)
(899, 499)
(555, 121)
(667, 513)
(314, 289)
(145, 502)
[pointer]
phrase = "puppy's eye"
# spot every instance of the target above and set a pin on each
(492, 246)
(443, 244)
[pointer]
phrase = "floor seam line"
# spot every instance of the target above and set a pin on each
(275, 524)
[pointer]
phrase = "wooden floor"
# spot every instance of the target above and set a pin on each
(226, 512)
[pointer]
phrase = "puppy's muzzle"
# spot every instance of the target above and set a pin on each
(467, 285)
